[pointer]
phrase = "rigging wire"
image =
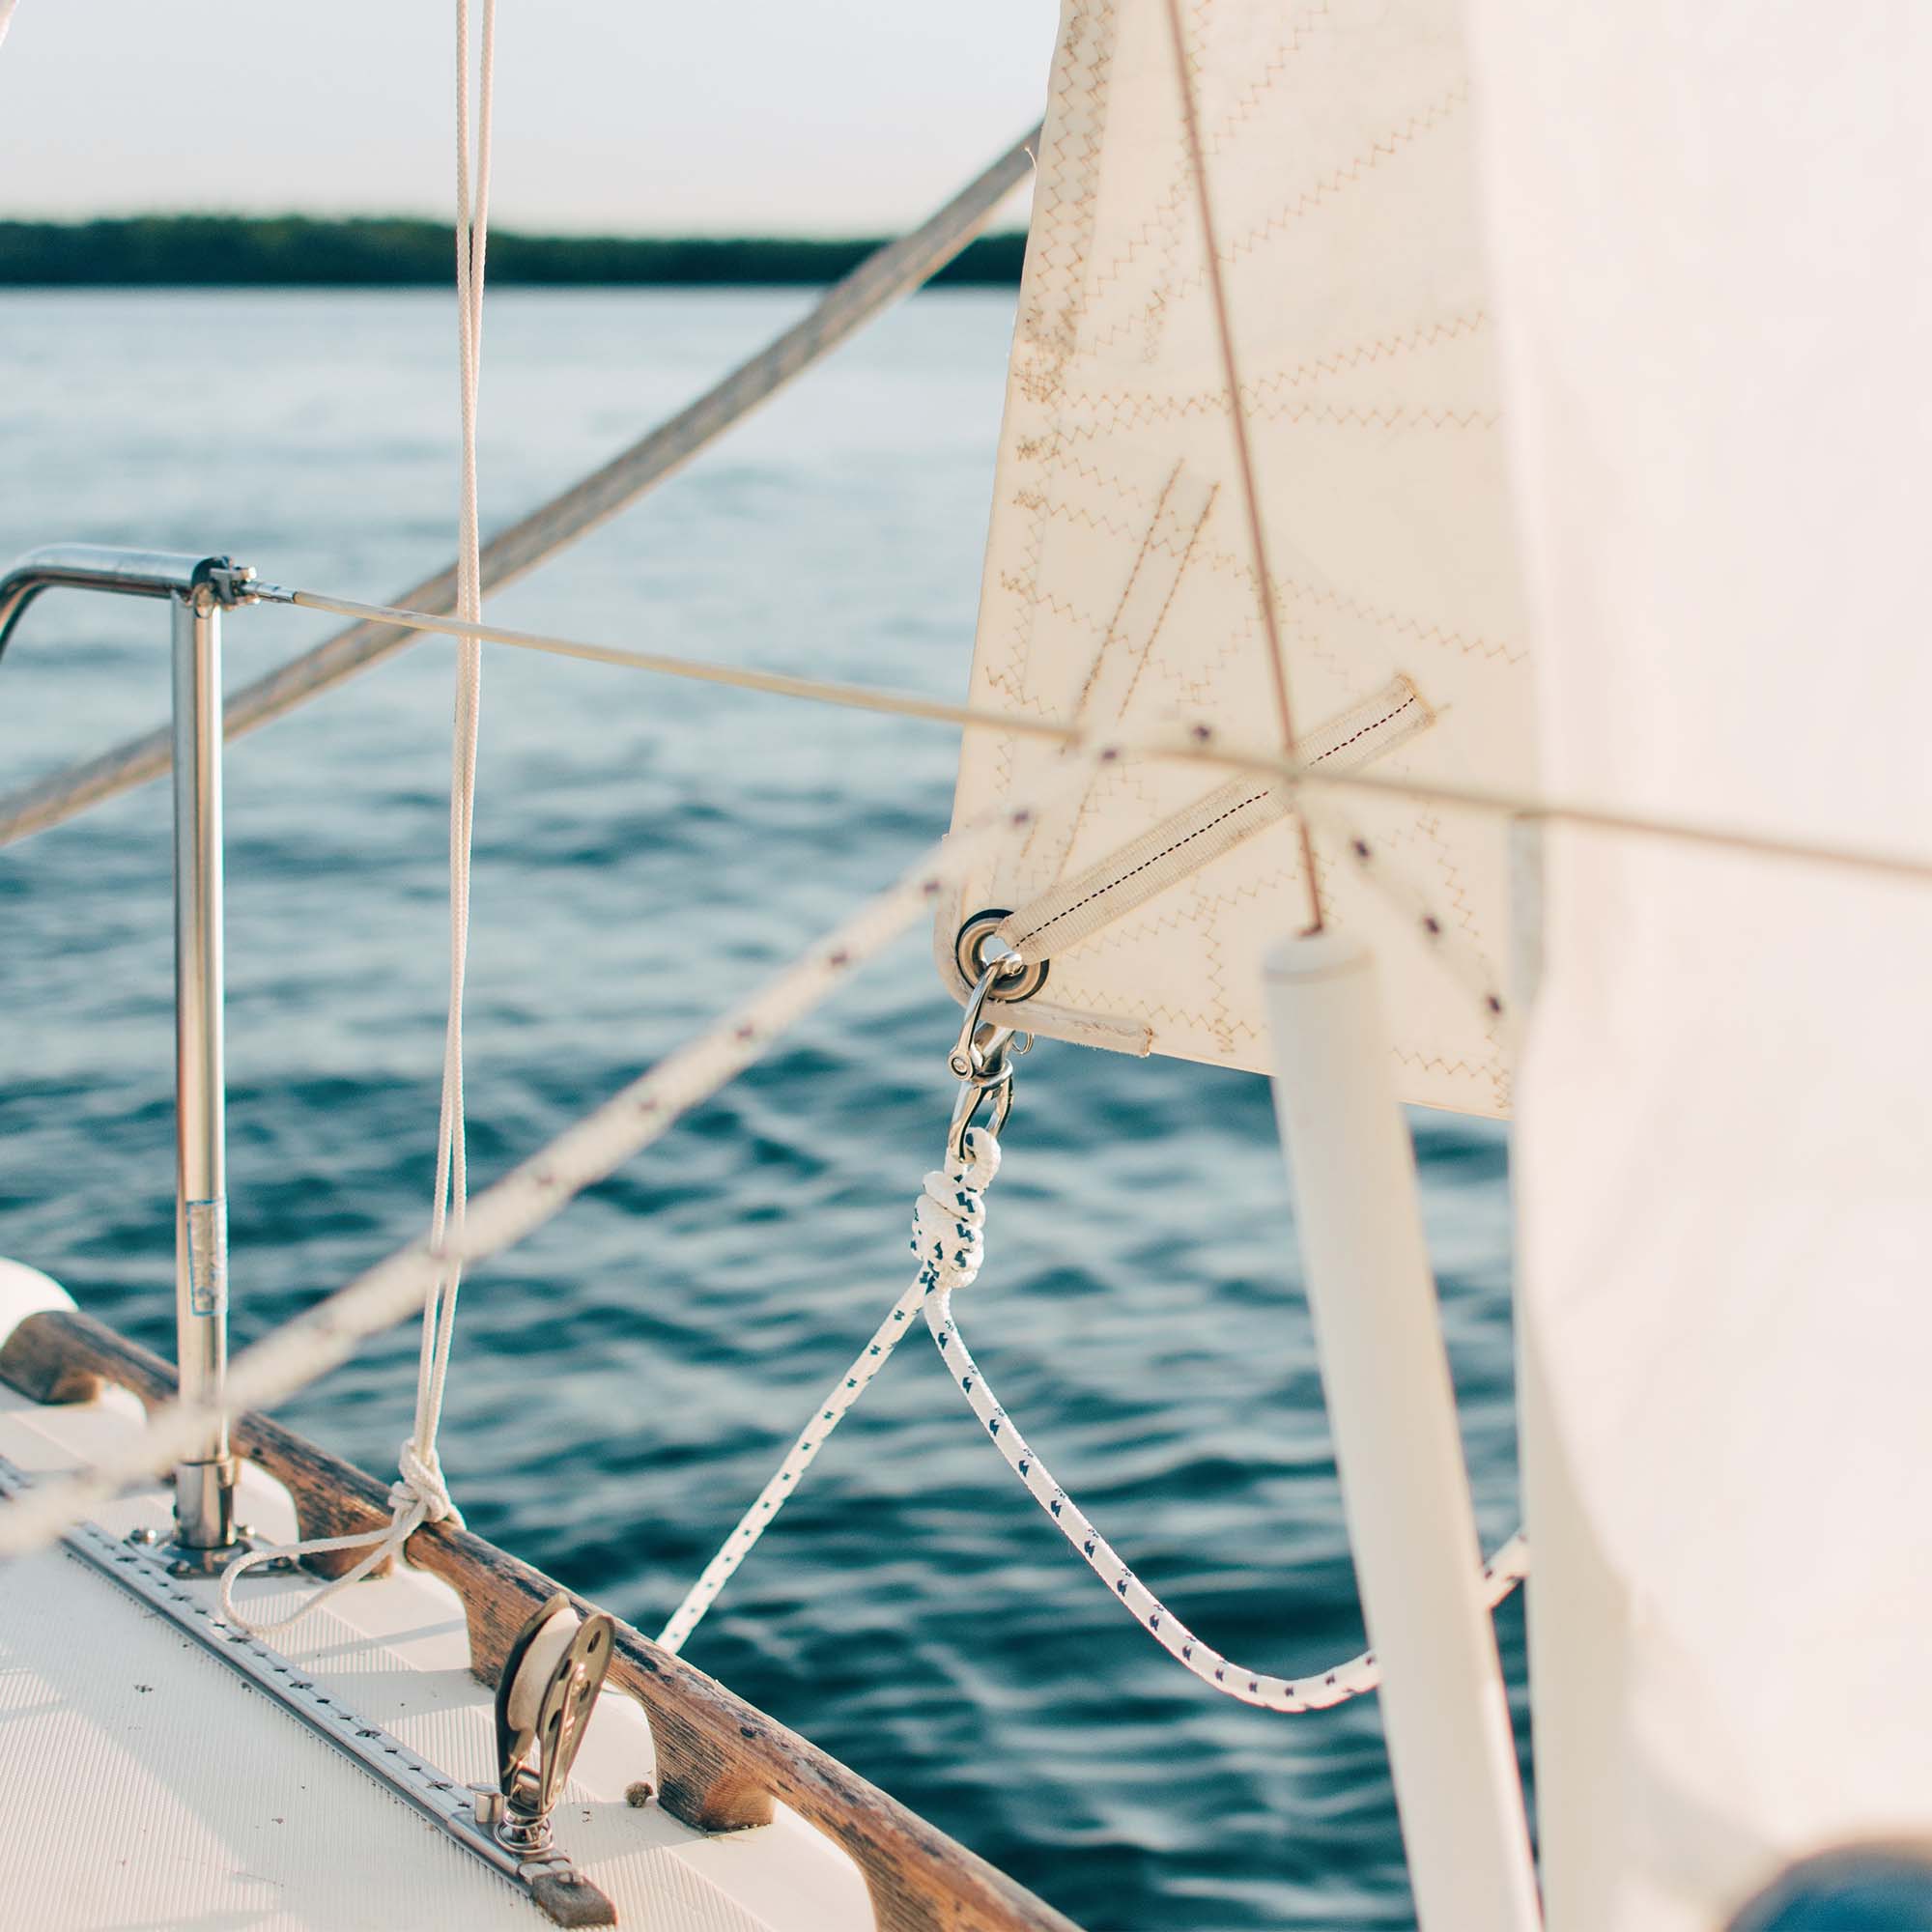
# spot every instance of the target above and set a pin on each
(1197, 743)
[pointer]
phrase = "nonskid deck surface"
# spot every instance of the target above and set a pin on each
(151, 1787)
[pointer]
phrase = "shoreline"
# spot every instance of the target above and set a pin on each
(195, 252)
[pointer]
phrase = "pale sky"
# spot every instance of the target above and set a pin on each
(624, 116)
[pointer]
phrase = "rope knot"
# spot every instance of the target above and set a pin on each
(951, 1212)
(421, 1485)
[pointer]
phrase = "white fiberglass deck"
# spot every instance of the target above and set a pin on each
(147, 1786)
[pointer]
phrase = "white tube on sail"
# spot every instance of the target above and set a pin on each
(1119, 586)
(1713, 240)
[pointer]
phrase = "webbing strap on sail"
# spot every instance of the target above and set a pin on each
(1199, 833)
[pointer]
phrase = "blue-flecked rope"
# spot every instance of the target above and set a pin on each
(949, 1241)
(1289, 1694)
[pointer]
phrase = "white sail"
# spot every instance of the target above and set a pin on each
(1118, 590)
(1712, 236)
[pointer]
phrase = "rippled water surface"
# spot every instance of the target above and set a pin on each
(647, 851)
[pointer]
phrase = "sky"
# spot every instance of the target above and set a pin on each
(838, 117)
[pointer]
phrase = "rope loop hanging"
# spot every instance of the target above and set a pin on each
(1289, 1695)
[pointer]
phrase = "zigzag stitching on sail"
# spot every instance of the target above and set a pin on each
(1349, 604)
(1036, 450)
(1425, 121)
(1134, 408)
(1325, 189)
(1162, 222)
(1381, 349)
(1042, 505)
(1301, 29)
(1127, 408)
(1055, 605)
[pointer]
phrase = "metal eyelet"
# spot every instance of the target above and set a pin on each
(975, 950)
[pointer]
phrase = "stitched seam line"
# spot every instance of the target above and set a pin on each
(1365, 730)
(1113, 885)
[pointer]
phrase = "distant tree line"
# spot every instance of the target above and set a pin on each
(296, 251)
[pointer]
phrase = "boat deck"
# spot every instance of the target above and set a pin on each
(152, 1786)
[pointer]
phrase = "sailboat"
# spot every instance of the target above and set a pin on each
(1446, 638)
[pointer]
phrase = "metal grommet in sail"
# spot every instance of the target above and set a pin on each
(973, 953)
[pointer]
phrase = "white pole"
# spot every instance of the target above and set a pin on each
(1398, 1446)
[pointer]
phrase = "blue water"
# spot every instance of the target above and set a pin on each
(646, 852)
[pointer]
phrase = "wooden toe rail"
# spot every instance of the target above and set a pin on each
(721, 1763)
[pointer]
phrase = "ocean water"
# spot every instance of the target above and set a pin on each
(646, 852)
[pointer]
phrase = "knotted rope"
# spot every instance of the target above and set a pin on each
(417, 1496)
(947, 1238)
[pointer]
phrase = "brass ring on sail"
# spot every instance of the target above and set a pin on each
(973, 953)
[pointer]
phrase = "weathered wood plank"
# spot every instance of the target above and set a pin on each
(720, 1762)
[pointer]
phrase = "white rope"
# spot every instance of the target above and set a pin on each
(421, 1470)
(1286, 1694)
(421, 1494)
(946, 1237)
(949, 1238)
